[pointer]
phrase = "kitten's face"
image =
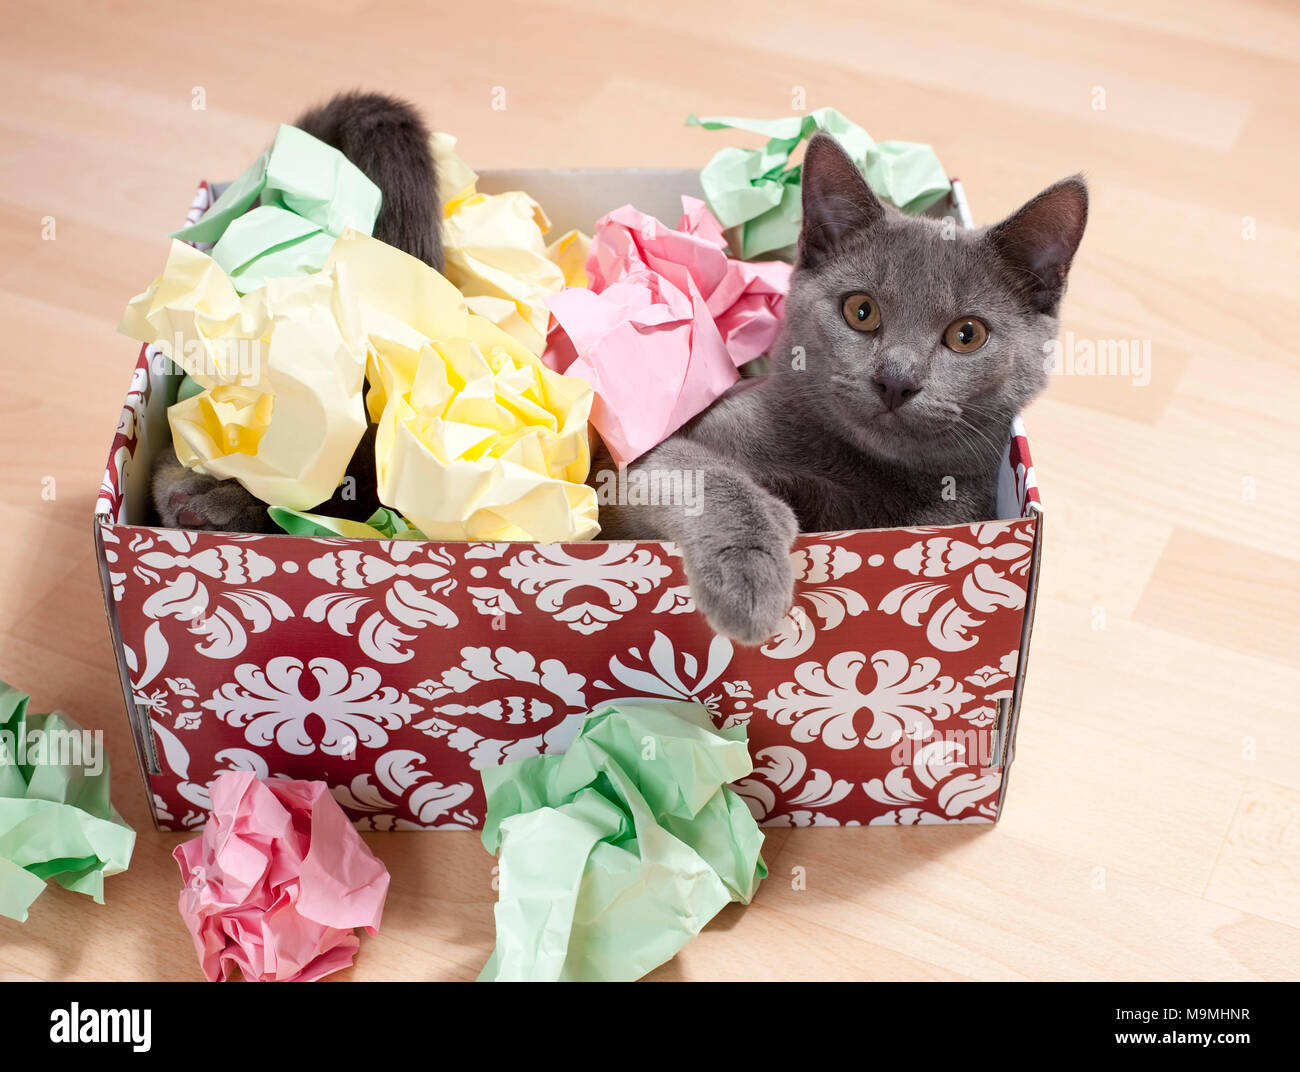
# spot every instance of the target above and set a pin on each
(923, 340)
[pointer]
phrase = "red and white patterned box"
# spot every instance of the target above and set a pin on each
(397, 670)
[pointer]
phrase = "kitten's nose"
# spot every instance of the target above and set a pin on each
(894, 388)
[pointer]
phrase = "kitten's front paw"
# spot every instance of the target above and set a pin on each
(188, 500)
(739, 566)
(745, 591)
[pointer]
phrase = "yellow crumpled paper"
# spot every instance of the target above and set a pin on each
(496, 253)
(282, 370)
(476, 438)
(281, 367)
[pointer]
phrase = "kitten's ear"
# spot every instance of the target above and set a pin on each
(1038, 241)
(837, 201)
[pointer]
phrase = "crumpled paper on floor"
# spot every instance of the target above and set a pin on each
(668, 319)
(616, 853)
(495, 251)
(277, 882)
(476, 438)
(280, 218)
(281, 368)
(56, 821)
(758, 191)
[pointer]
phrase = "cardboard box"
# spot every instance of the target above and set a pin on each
(395, 671)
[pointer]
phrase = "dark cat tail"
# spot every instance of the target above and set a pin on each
(386, 138)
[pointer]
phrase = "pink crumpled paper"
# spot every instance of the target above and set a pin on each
(277, 882)
(666, 322)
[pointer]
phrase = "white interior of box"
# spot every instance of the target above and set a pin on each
(572, 198)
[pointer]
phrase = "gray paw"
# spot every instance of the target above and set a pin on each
(740, 570)
(745, 591)
(185, 499)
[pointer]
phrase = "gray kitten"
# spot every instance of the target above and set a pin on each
(908, 347)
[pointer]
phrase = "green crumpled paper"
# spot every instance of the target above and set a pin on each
(758, 191)
(56, 821)
(616, 853)
(383, 524)
(189, 387)
(281, 217)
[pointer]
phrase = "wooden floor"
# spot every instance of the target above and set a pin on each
(1152, 828)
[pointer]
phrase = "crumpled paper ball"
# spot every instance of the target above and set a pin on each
(281, 369)
(614, 854)
(383, 524)
(281, 216)
(476, 438)
(496, 253)
(748, 301)
(759, 192)
(667, 320)
(277, 882)
(56, 821)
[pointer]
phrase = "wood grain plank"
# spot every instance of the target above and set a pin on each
(1213, 589)
(1259, 869)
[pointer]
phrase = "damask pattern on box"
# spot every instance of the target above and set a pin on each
(396, 670)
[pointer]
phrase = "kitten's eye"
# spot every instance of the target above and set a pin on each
(861, 313)
(965, 335)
